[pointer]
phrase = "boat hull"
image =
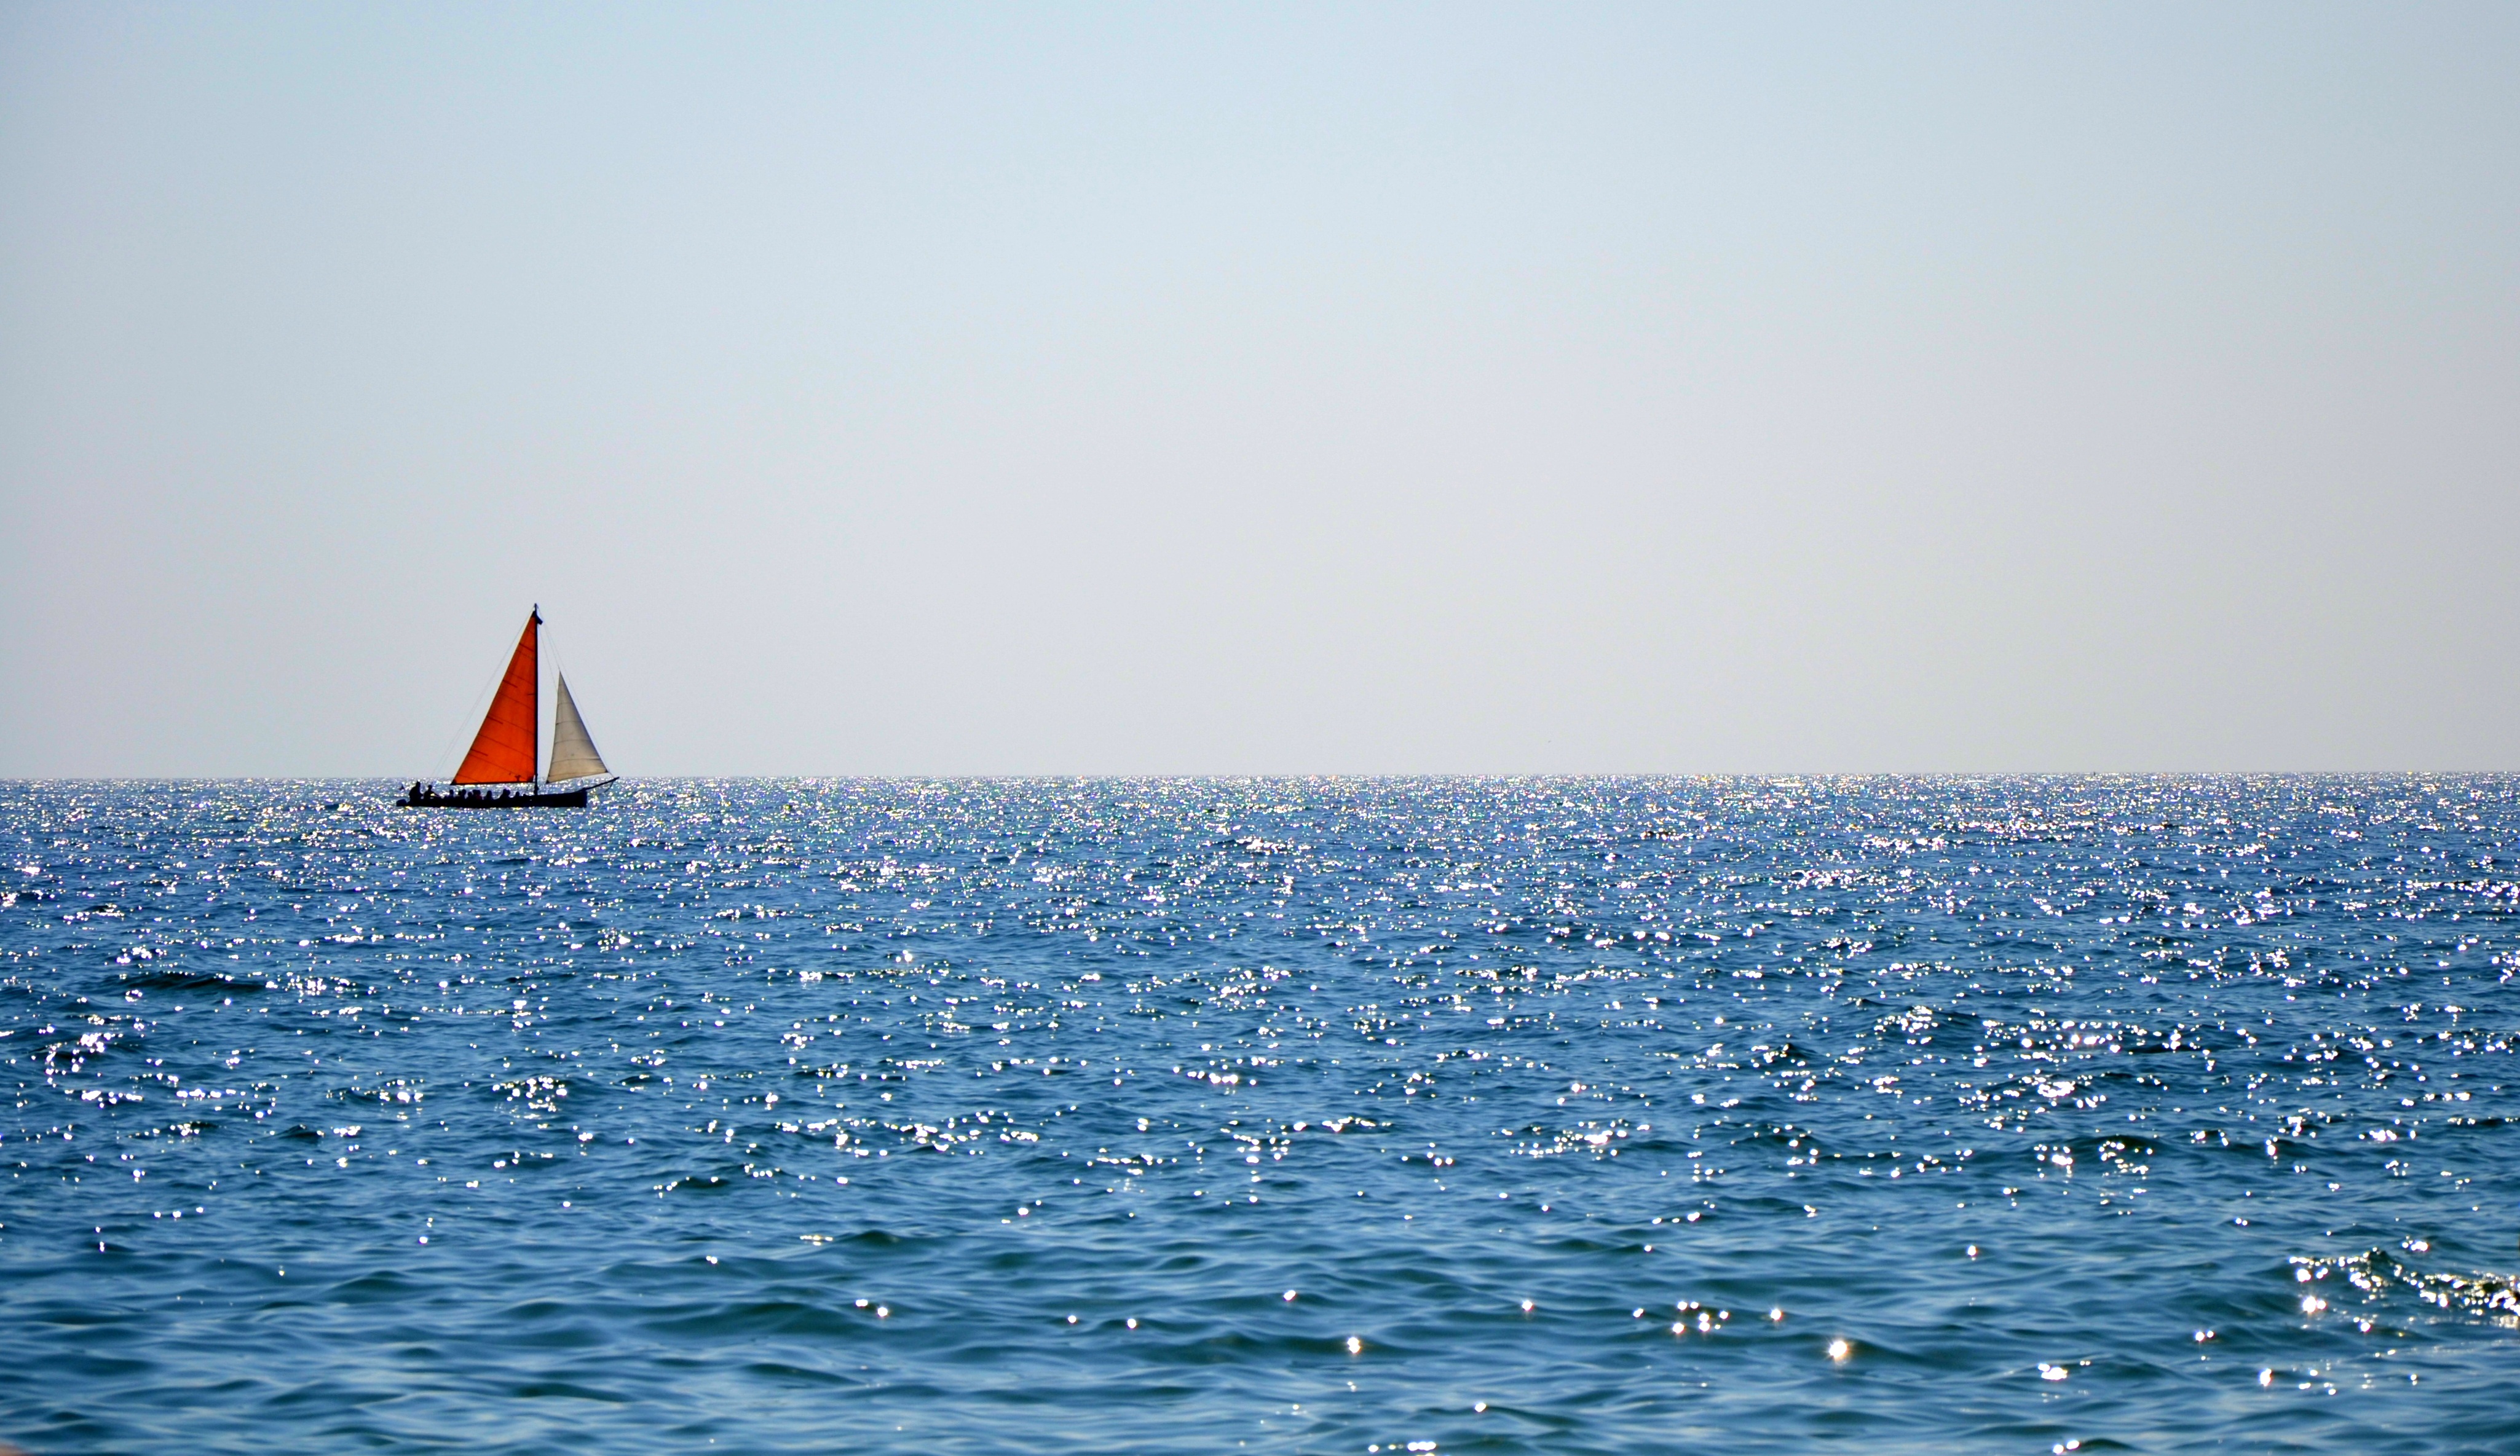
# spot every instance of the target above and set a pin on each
(434, 796)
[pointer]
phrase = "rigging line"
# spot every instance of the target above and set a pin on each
(472, 715)
(550, 648)
(543, 750)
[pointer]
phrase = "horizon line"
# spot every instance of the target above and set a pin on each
(1286, 776)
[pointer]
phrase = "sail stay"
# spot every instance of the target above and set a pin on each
(503, 752)
(572, 753)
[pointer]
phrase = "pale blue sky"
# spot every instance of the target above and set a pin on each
(1263, 388)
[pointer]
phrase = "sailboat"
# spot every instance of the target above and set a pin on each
(498, 772)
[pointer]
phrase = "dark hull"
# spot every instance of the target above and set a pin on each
(432, 796)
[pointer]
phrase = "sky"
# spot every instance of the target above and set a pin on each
(1305, 388)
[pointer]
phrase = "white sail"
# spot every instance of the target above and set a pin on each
(572, 752)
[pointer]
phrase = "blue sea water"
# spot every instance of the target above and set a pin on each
(1365, 1116)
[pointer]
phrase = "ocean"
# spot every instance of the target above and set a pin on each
(1546, 1114)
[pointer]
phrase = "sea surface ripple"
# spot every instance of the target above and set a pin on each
(1343, 1115)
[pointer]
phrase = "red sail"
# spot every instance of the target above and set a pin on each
(503, 752)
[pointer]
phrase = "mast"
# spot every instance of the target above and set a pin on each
(503, 750)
